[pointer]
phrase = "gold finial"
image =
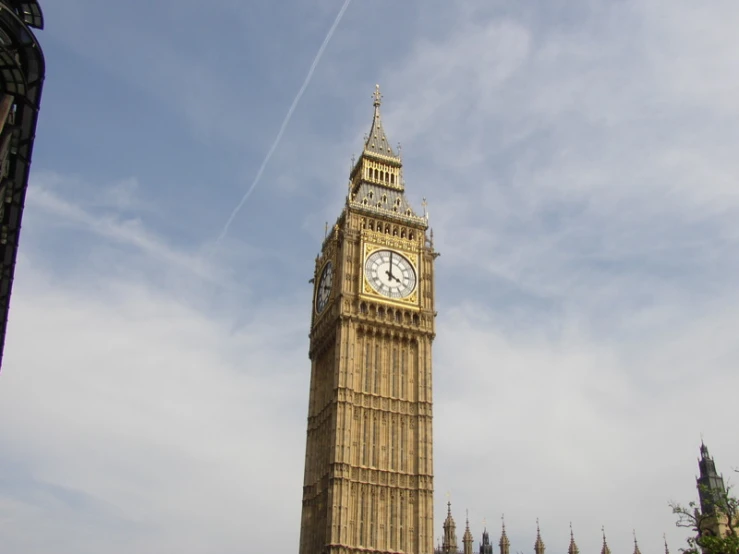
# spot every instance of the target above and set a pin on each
(377, 97)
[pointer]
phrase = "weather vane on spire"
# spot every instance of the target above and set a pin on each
(377, 97)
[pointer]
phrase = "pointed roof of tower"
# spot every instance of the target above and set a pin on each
(710, 482)
(377, 142)
(539, 544)
(605, 549)
(503, 536)
(667, 550)
(636, 544)
(467, 534)
(573, 549)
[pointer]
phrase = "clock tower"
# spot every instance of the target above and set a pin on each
(368, 484)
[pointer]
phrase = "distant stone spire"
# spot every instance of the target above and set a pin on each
(667, 550)
(485, 546)
(573, 549)
(636, 544)
(605, 549)
(710, 482)
(467, 538)
(449, 545)
(505, 544)
(539, 544)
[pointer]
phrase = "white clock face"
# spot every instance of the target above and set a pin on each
(324, 287)
(390, 273)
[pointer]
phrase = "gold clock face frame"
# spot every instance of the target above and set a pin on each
(390, 274)
(324, 288)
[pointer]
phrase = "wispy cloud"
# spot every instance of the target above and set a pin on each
(126, 231)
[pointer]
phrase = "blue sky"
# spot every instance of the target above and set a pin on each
(579, 162)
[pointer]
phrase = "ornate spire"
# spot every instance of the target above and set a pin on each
(377, 142)
(539, 544)
(504, 543)
(467, 538)
(573, 549)
(710, 482)
(636, 544)
(667, 550)
(605, 549)
(449, 546)
(485, 546)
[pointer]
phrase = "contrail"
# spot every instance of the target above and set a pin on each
(285, 122)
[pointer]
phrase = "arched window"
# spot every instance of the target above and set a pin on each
(392, 178)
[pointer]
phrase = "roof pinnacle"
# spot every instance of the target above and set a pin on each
(539, 544)
(605, 549)
(376, 142)
(573, 549)
(636, 544)
(504, 542)
(377, 97)
(667, 550)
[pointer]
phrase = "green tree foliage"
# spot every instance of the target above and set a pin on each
(706, 541)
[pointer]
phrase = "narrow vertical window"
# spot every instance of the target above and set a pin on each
(378, 373)
(402, 522)
(361, 518)
(367, 366)
(366, 442)
(372, 516)
(403, 357)
(393, 515)
(393, 443)
(394, 375)
(402, 445)
(375, 442)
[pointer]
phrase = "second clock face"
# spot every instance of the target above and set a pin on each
(324, 287)
(391, 274)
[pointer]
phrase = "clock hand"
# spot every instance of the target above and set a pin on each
(391, 276)
(389, 273)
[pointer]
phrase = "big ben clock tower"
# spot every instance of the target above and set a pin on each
(368, 483)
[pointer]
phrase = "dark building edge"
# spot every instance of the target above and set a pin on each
(22, 71)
